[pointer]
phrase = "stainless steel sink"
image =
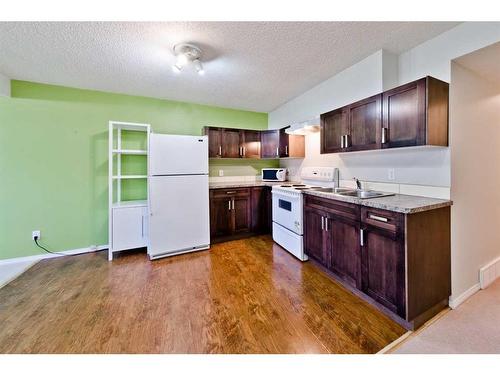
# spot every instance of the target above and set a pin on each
(332, 190)
(362, 194)
(365, 194)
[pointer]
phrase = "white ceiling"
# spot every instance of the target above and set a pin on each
(249, 65)
(484, 62)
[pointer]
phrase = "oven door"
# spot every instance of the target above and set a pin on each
(287, 210)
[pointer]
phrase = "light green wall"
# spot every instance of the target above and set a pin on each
(53, 159)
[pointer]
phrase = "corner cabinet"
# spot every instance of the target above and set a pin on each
(414, 114)
(239, 212)
(399, 262)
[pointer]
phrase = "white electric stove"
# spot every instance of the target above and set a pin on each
(288, 207)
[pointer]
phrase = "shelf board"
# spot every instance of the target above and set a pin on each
(130, 152)
(134, 203)
(127, 177)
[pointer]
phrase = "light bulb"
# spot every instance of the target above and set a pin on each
(182, 60)
(198, 67)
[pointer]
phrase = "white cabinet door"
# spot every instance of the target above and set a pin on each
(129, 227)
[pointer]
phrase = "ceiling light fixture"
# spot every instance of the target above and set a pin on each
(186, 54)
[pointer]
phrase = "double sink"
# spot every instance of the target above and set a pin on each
(355, 193)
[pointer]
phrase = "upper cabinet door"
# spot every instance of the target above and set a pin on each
(284, 146)
(404, 115)
(334, 128)
(214, 142)
(270, 142)
(365, 124)
(231, 143)
(250, 144)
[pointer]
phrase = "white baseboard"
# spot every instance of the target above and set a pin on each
(13, 267)
(455, 302)
(489, 273)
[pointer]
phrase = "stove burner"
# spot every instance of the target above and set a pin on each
(297, 185)
(285, 185)
(302, 188)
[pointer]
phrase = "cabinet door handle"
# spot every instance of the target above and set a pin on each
(362, 237)
(346, 142)
(322, 223)
(233, 203)
(229, 205)
(244, 150)
(378, 218)
(341, 141)
(142, 226)
(286, 150)
(326, 224)
(277, 151)
(220, 150)
(384, 135)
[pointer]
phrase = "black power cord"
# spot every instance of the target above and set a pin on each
(56, 253)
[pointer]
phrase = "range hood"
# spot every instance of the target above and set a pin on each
(304, 127)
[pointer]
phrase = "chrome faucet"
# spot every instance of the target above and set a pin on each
(336, 178)
(358, 184)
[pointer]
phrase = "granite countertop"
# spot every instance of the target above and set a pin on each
(406, 204)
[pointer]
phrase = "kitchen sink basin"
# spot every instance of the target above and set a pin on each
(332, 190)
(362, 194)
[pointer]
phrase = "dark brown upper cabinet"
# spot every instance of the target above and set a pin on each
(270, 144)
(214, 141)
(334, 127)
(250, 144)
(253, 144)
(415, 114)
(291, 146)
(230, 143)
(365, 119)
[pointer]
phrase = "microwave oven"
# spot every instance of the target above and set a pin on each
(273, 174)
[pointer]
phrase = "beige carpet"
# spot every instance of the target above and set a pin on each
(474, 327)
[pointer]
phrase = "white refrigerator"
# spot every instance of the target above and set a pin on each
(178, 195)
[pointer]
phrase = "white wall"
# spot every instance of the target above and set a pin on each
(434, 56)
(4, 85)
(376, 73)
(356, 82)
(475, 175)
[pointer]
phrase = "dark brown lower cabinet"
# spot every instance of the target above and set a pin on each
(314, 234)
(383, 261)
(345, 253)
(399, 262)
(261, 209)
(238, 212)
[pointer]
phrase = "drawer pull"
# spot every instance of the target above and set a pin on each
(378, 218)
(230, 192)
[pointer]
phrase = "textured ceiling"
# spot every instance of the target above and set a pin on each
(251, 65)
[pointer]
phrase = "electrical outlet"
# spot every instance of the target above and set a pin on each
(36, 233)
(221, 172)
(391, 174)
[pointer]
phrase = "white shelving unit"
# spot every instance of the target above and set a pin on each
(128, 220)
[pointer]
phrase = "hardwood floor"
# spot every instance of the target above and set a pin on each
(244, 296)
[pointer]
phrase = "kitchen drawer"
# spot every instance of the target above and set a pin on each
(236, 192)
(343, 209)
(383, 219)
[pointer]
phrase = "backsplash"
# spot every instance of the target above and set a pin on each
(422, 171)
(240, 167)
